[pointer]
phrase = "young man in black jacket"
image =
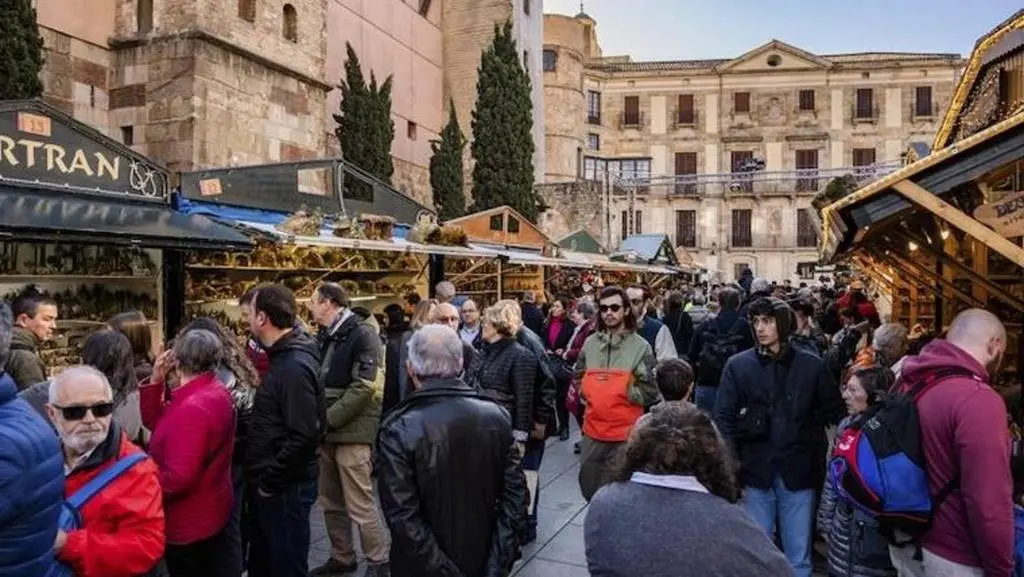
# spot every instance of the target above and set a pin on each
(773, 405)
(286, 425)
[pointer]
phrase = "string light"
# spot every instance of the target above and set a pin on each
(944, 233)
(912, 246)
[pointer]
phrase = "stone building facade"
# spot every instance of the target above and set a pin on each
(671, 142)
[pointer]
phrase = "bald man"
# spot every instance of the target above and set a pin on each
(447, 315)
(967, 450)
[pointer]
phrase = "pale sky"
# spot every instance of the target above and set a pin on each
(697, 29)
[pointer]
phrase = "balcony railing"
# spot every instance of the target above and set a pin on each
(594, 119)
(757, 183)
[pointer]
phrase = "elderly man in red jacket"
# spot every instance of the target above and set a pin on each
(122, 529)
(967, 447)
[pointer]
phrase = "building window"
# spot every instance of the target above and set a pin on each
(806, 232)
(865, 106)
(805, 270)
(625, 224)
(594, 141)
(144, 16)
(741, 102)
(631, 111)
(631, 169)
(550, 60)
(863, 156)
(686, 171)
(594, 168)
(806, 101)
(424, 8)
(496, 222)
(686, 228)
(593, 107)
(128, 135)
(410, 130)
(742, 236)
(247, 10)
(513, 225)
(526, 7)
(686, 115)
(291, 24)
(743, 181)
(923, 101)
(807, 168)
(526, 61)
(738, 269)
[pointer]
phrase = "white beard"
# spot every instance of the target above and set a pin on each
(82, 443)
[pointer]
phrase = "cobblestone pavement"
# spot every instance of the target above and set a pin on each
(558, 550)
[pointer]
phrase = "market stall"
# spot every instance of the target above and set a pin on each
(656, 253)
(944, 233)
(88, 222)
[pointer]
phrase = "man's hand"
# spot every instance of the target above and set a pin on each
(62, 539)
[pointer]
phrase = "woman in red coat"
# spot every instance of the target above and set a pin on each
(192, 442)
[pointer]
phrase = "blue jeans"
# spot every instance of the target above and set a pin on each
(279, 545)
(795, 512)
(705, 397)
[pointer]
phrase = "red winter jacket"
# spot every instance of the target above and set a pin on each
(122, 532)
(192, 442)
(258, 355)
(963, 429)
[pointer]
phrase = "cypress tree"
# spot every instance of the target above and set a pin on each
(365, 129)
(21, 51)
(446, 178)
(502, 130)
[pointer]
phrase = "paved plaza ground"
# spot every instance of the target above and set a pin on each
(558, 550)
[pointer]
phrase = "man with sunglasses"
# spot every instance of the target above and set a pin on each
(615, 369)
(122, 528)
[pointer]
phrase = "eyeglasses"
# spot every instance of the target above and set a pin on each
(636, 301)
(613, 308)
(77, 412)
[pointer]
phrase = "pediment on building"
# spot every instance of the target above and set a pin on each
(773, 56)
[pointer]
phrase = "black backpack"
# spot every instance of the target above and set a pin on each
(716, 349)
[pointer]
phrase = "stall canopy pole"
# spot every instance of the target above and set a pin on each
(942, 209)
(470, 270)
(965, 270)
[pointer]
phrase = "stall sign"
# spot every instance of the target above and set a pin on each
(38, 149)
(1005, 216)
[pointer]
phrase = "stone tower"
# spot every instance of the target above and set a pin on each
(467, 28)
(568, 42)
(200, 83)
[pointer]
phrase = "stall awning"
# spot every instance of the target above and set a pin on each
(46, 216)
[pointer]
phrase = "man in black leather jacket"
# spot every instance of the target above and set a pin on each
(453, 499)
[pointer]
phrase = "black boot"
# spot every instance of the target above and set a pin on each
(334, 568)
(563, 433)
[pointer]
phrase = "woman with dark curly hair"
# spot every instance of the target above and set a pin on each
(110, 353)
(673, 506)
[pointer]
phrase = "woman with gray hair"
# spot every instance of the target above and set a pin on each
(193, 424)
(890, 342)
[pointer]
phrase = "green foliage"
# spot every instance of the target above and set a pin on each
(502, 131)
(836, 188)
(21, 51)
(365, 129)
(446, 177)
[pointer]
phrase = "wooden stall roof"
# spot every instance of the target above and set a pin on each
(502, 225)
(1004, 38)
(582, 241)
(649, 248)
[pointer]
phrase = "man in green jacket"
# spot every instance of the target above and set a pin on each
(35, 318)
(615, 370)
(353, 380)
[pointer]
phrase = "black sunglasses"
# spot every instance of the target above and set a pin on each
(613, 308)
(77, 412)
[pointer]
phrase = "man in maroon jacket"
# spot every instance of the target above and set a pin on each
(965, 437)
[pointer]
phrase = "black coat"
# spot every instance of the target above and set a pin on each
(798, 398)
(544, 389)
(449, 484)
(726, 323)
(392, 360)
(506, 371)
(680, 325)
(533, 317)
(561, 341)
(288, 416)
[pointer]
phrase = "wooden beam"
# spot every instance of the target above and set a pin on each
(912, 268)
(966, 271)
(954, 216)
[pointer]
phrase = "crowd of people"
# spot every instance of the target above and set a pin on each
(708, 413)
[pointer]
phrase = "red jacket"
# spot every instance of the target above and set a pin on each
(963, 429)
(258, 355)
(122, 531)
(192, 442)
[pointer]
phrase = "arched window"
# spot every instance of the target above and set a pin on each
(247, 10)
(144, 16)
(291, 23)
